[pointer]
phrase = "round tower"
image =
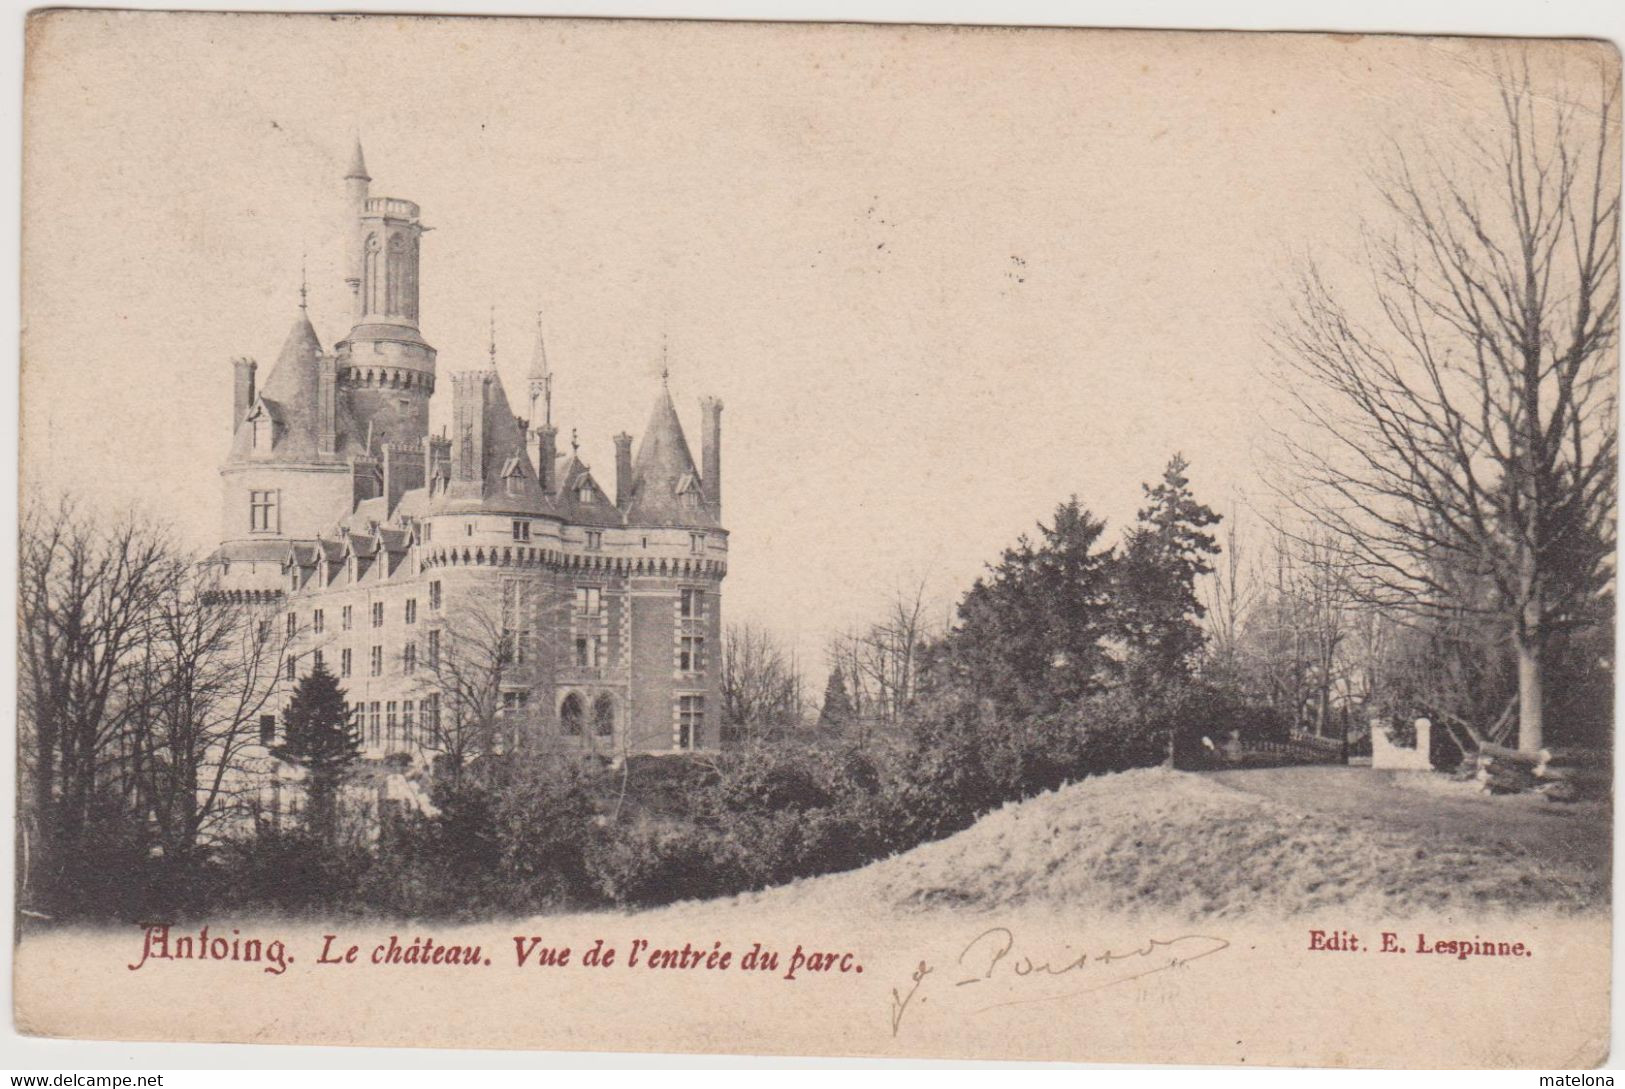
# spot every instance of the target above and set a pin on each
(386, 368)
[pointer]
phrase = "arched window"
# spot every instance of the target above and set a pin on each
(603, 716)
(392, 274)
(369, 277)
(570, 716)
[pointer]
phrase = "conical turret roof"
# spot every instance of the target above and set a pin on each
(358, 163)
(663, 474)
(290, 396)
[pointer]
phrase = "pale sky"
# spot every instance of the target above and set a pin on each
(942, 278)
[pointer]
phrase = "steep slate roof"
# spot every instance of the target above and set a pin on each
(661, 470)
(599, 511)
(289, 394)
(509, 484)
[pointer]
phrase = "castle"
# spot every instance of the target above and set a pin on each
(478, 589)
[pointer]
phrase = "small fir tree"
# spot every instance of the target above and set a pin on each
(1163, 555)
(837, 710)
(318, 736)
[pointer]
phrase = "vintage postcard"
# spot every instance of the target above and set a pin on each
(1149, 598)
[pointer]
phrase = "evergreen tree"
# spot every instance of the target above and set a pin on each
(318, 736)
(1158, 612)
(837, 710)
(1030, 634)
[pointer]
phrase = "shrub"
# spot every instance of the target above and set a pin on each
(293, 871)
(648, 863)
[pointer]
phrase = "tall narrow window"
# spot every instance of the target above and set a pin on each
(389, 721)
(603, 716)
(377, 661)
(316, 661)
(267, 729)
(409, 658)
(407, 726)
(691, 654)
(587, 651)
(346, 616)
(696, 543)
(411, 610)
(370, 277)
(434, 594)
(377, 614)
(690, 603)
(589, 600)
(373, 724)
(434, 649)
(344, 662)
(690, 722)
(293, 625)
(595, 540)
(317, 622)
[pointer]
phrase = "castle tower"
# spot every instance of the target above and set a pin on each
(386, 368)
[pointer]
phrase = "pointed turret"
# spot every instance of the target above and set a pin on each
(358, 164)
(665, 484)
(540, 379)
(296, 407)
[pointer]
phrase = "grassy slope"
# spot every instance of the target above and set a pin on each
(1157, 840)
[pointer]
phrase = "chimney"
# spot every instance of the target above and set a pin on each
(623, 470)
(468, 413)
(242, 393)
(327, 380)
(436, 456)
(547, 438)
(404, 469)
(711, 452)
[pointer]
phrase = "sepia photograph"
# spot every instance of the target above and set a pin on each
(1156, 567)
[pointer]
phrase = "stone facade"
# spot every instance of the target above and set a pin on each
(405, 563)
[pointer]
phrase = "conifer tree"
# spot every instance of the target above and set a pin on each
(837, 709)
(1162, 556)
(318, 736)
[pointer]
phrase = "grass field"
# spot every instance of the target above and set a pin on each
(1276, 842)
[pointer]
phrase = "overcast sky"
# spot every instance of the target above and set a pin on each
(941, 278)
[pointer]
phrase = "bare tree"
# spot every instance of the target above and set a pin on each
(1471, 425)
(476, 671)
(208, 671)
(87, 592)
(1228, 594)
(761, 686)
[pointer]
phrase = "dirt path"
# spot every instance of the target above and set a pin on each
(1577, 835)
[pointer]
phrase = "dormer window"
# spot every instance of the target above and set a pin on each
(586, 493)
(696, 543)
(262, 434)
(595, 540)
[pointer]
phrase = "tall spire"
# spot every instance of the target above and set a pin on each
(358, 163)
(493, 336)
(304, 283)
(541, 378)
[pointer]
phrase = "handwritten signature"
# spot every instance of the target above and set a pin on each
(992, 956)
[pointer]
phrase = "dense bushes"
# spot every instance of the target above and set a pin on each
(553, 833)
